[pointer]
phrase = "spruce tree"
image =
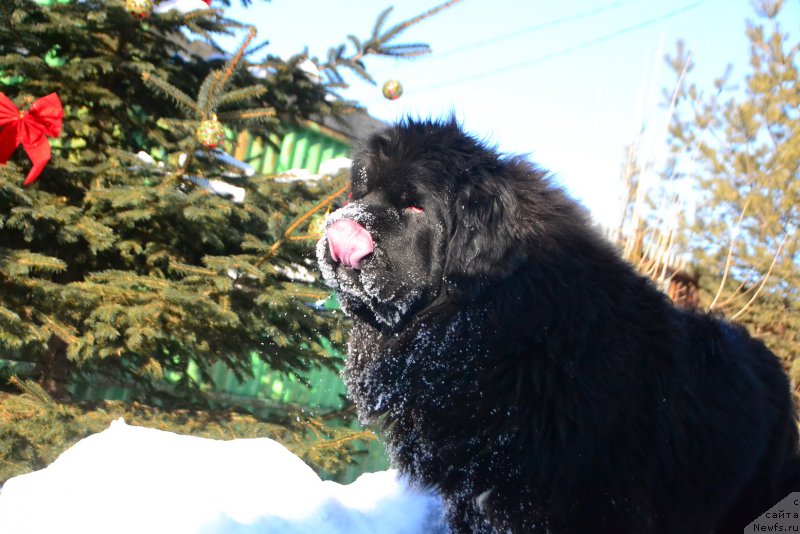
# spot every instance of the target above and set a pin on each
(120, 265)
(741, 144)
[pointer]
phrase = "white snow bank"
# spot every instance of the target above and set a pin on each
(134, 479)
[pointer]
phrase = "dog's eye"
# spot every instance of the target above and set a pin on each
(413, 209)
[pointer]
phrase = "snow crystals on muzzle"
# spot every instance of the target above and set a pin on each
(368, 285)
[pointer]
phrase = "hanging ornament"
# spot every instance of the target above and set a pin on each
(10, 80)
(392, 89)
(53, 59)
(140, 9)
(31, 130)
(210, 133)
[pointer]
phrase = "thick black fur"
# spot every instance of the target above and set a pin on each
(517, 364)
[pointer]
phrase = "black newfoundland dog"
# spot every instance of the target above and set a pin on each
(519, 366)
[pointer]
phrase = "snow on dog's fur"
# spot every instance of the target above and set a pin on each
(519, 366)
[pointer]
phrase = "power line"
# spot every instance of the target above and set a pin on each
(563, 51)
(435, 56)
(536, 27)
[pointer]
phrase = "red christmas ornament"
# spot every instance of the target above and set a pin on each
(31, 130)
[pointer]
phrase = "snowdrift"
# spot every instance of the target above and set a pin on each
(134, 479)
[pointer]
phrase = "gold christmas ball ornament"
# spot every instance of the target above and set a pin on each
(140, 9)
(211, 133)
(392, 89)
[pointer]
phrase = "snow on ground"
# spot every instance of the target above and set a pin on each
(130, 479)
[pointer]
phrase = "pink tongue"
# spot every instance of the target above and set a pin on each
(349, 243)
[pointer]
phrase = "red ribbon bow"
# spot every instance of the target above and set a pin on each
(31, 130)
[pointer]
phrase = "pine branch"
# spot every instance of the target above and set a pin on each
(376, 30)
(204, 97)
(166, 88)
(239, 95)
(220, 82)
(419, 18)
(17, 263)
(377, 44)
(248, 115)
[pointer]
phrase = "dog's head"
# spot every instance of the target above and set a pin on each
(434, 214)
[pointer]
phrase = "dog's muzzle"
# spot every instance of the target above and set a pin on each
(349, 243)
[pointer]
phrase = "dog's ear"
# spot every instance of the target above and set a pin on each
(487, 243)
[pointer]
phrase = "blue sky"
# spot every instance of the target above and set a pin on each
(570, 84)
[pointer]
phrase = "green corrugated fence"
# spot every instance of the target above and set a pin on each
(305, 148)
